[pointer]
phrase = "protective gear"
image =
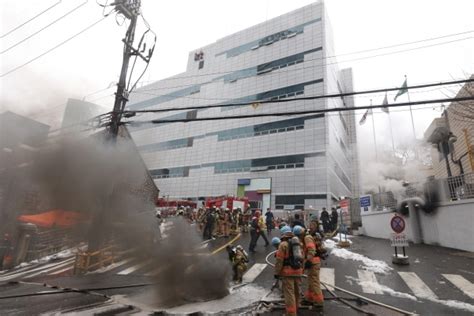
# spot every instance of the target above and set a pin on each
(257, 213)
(296, 253)
(282, 224)
(276, 241)
(238, 257)
(285, 230)
(291, 277)
(313, 264)
(298, 230)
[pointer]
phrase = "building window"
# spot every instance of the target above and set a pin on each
(201, 64)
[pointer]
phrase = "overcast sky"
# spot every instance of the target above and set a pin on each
(91, 61)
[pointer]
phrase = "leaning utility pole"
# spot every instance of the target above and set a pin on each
(130, 9)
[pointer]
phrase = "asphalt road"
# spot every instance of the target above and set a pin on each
(425, 286)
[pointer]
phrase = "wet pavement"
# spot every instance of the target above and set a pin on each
(424, 287)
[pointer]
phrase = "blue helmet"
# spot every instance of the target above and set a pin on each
(275, 241)
(285, 230)
(298, 230)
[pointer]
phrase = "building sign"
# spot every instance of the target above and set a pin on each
(365, 203)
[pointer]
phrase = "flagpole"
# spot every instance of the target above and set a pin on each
(411, 112)
(412, 121)
(373, 131)
(391, 131)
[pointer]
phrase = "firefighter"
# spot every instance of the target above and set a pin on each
(209, 224)
(289, 269)
(245, 220)
(234, 220)
(239, 259)
(226, 222)
(311, 250)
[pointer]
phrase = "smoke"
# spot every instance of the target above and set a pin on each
(391, 171)
(104, 182)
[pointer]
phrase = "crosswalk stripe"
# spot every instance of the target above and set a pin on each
(70, 267)
(461, 283)
(45, 271)
(254, 272)
(417, 286)
(134, 268)
(327, 276)
(43, 267)
(368, 282)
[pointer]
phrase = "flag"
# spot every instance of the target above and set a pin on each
(364, 117)
(385, 102)
(402, 90)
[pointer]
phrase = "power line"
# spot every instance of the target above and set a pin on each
(43, 28)
(339, 109)
(53, 48)
(336, 95)
(346, 54)
(31, 19)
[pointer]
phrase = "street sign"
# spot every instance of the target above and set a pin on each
(365, 201)
(399, 240)
(398, 224)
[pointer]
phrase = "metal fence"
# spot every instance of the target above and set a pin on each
(461, 187)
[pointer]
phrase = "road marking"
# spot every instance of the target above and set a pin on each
(417, 286)
(327, 276)
(368, 282)
(461, 283)
(112, 266)
(134, 268)
(253, 272)
(46, 271)
(21, 274)
(71, 267)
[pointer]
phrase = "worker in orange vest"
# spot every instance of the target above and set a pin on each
(311, 249)
(289, 269)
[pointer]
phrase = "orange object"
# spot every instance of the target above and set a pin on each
(52, 218)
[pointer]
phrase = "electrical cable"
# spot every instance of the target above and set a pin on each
(43, 28)
(53, 48)
(31, 19)
(344, 109)
(335, 95)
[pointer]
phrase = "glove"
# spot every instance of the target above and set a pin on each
(276, 276)
(308, 265)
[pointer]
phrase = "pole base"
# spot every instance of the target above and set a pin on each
(400, 260)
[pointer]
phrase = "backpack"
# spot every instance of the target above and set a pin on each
(295, 259)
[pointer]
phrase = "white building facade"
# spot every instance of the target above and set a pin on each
(282, 162)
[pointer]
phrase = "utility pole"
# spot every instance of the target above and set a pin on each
(130, 9)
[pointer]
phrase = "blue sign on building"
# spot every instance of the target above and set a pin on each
(365, 201)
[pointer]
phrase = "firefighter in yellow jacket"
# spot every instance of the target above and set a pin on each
(311, 250)
(289, 269)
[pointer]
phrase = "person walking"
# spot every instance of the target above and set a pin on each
(257, 229)
(286, 271)
(269, 220)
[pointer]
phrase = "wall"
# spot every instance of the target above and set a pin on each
(450, 225)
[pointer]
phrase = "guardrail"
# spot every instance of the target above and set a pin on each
(89, 261)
